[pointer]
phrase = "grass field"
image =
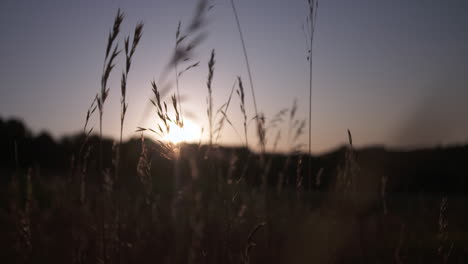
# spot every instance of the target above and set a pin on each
(89, 199)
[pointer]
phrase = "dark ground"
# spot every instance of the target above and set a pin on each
(371, 205)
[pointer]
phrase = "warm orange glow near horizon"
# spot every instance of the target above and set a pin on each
(189, 133)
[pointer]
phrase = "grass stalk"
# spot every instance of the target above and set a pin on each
(313, 5)
(129, 51)
(209, 99)
(246, 58)
(223, 111)
(176, 72)
(241, 94)
(106, 71)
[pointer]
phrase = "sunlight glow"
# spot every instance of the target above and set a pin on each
(189, 133)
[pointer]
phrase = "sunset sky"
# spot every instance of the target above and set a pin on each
(393, 72)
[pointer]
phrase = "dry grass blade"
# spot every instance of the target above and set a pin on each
(144, 169)
(311, 18)
(186, 43)
(230, 123)
(198, 20)
(136, 37)
(178, 118)
(293, 110)
(350, 138)
(188, 68)
(277, 118)
(241, 94)
(87, 132)
(107, 69)
(245, 57)
(291, 122)
(177, 74)
(350, 170)
(223, 109)
(89, 113)
(129, 52)
(109, 66)
(251, 243)
(261, 131)
(299, 131)
(162, 111)
(209, 99)
(115, 31)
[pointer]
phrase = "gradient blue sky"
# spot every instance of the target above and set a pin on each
(393, 72)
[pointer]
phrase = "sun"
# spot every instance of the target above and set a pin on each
(189, 133)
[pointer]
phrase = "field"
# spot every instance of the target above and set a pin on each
(157, 199)
(372, 206)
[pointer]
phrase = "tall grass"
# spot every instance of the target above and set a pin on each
(129, 52)
(107, 69)
(209, 99)
(310, 21)
(241, 94)
(212, 211)
(249, 72)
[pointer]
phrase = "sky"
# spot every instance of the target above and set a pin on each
(393, 72)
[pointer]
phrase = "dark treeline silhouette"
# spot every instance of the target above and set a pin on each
(436, 170)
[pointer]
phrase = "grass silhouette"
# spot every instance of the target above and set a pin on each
(146, 201)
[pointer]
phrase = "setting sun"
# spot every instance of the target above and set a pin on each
(189, 133)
